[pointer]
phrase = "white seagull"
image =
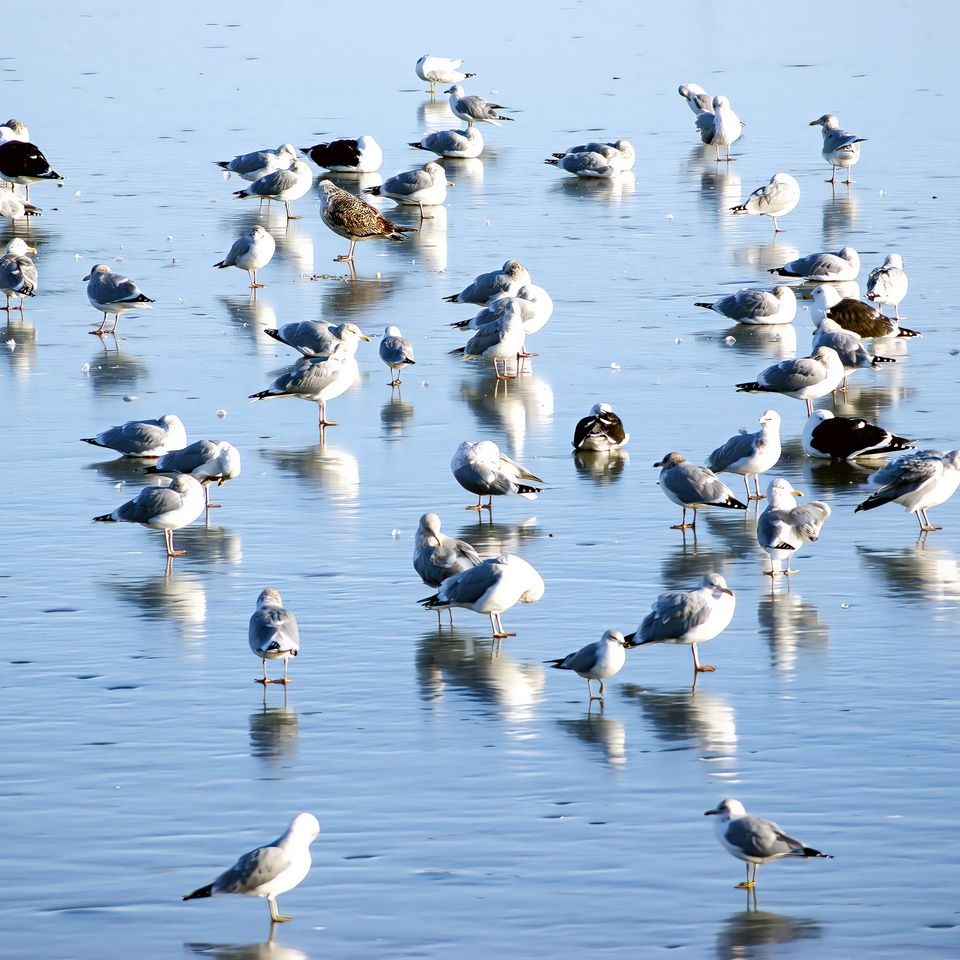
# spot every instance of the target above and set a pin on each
(473, 109)
(209, 461)
(506, 281)
(774, 199)
(500, 340)
(804, 378)
(250, 253)
(721, 127)
(109, 293)
(425, 187)
(253, 166)
(627, 158)
(596, 661)
(841, 148)
(750, 454)
(273, 633)
(694, 488)
(784, 527)
(283, 185)
(143, 438)
(888, 283)
(603, 163)
(456, 144)
(395, 352)
(18, 273)
(437, 556)
(844, 265)
(13, 207)
(313, 338)
(434, 70)
(697, 98)
(483, 470)
(757, 307)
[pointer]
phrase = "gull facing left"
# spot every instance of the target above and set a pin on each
(694, 488)
(841, 148)
(474, 109)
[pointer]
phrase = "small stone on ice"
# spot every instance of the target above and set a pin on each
(395, 534)
(117, 486)
(614, 365)
(844, 606)
(678, 340)
(76, 196)
(953, 353)
(12, 344)
(169, 236)
(179, 299)
(221, 414)
(729, 341)
(669, 216)
(129, 398)
(85, 368)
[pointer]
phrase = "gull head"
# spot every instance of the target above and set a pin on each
(828, 121)
(780, 490)
(435, 170)
(286, 150)
(720, 101)
(17, 247)
(599, 408)
(782, 292)
(716, 583)
(258, 232)
(770, 416)
(514, 268)
(820, 415)
(455, 91)
(101, 269)
(826, 296)
(670, 460)
(727, 809)
(366, 142)
(17, 126)
(894, 260)
(429, 523)
(327, 190)
(851, 256)
(392, 331)
(305, 827)
(614, 636)
(829, 358)
(952, 460)
(269, 598)
(350, 331)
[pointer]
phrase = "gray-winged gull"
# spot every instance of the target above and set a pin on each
(774, 199)
(313, 338)
(474, 109)
(434, 70)
(843, 265)
(757, 307)
(483, 470)
(396, 352)
(721, 127)
(804, 378)
(784, 527)
(437, 556)
(426, 186)
(694, 488)
(497, 283)
(253, 166)
(282, 185)
(143, 438)
(750, 454)
(455, 144)
(596, 661)
(250, 252)
(888, 283)
(209, 461)
(841, 148)
(109, 293)
(18, 273)
(273, 633)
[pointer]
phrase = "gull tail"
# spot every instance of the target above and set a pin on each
(630, 641)
(417, 146)
(241, 193)
(143, 298)
(896, 443)
(92, 440)
(556, 664)
(559, 156)
(750, 388)
(274, 333)
(466, 76)
(263, 395)
(784, 272)
(29, 210)
(221, 265)
(461, 324)
(222, 164)
(461, 351)
(810, 852)
(552, 160)
(373, 191)
(106, 518)
(530, 493)
(883, 495)
(200, 893)
(452, 299)
(707, 306)
(877, 360)
(904, 332)
(431, 602)
(732, 503)
(740, 208)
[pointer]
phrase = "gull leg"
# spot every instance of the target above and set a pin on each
(168, 539)
(253, 280)
(501, 633)
(450, 615)
(896, 310)
(99, 332)
(324, 422)
(264, 681)
(776, 228)
(424, 216)
(756, 485)
(809, 406)
(746, 483)
(478, 505)
(747, 883)
(284, 680)
(348, 258)
(833, 175)
(683, 525)
(274, 916)
(290, 216)
(206, 493)
(925, 524)
(699, 667)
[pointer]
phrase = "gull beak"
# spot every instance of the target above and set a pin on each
(727, 591)
(363, 336)
(32, 250)
(708, 813)
(87, 277)
(659, 463)
(814, 123)
(797, 493)
(449, 184)
(628, 640)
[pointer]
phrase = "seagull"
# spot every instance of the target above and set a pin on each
(268, 871)
(848, 438)
(362, 155)
(396, 352)
(162, 508)
(18, 273)
(283, 185)
(500, 340)
(253, 166)
(250, 253)
(754, 840)
(844, 265)
(108, 293)
(600, 431)
(313, 338)
(721, 127)
(918, 482)
(354, 219)
(697, 98)
(436, 70)
(804, 378)
(416, 188)
(784, 527)
(596, 661)
(491, 587)
(14, 130)
(143, 438)
(320, 379)
(848, 346)
(273, 633)
(504, 282)
(774, 199)
(627, 158)
(603, 163)
(688, 616)
(757, 307)
(855, 315)
(473, 110)
(13, 207)
(888, 283)
(536, 308)
(693, 488)
(456, 144)
(482, 469)
(209, 461)
(24, 163)
(437, 556)
(841, 148)
(750, 454)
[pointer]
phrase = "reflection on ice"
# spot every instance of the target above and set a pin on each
(267, 950)
(333, 470)
(464, 171)
(775, 342)
(354, 183)
(428, 246)
(603, 733)
(600, 467)
(395, 415)
(493, 539)
(765, 256)
(595, 189)
(112, 370)
(273, 731)
(436, 115)
(839, 219)
(254, 315)
(788, 623)
(208, 544)
(348, 300)
(22, 353)
(685, 715)
(745, 935)
(924, 571)
(175, 596)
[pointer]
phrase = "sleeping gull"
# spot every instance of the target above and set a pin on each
(500, 340)
(14, 130)
(456, 144)
(491, 587)
(774, 199)
(108, 293)
(283, 185)
(162, 508)
(270, 870)
(395, 352)
(143, 438)
(13, 207)
(750, 454)
(600, 431)
(784, 527)
(253, 166)
(473, 109)
(693, 488)
(918, 482)
(437, 556)
(24, 163)
(18, 273)
(804, 378)
(504, 282)
(688, 616)
(273, 633)
(844, 265)
(482, 469)
(362, 155)
(888, 283)
(721, 127)
(848, 346)
(596, 661)
(697, 98)
(536, 308)
(320, 379)
(436, 70)
(313, 338)
(847, 438)
(209, 461)
(603, 163)
(627, 154)
(778, 305)
(855, 315)
(426, 186)
(754, 840)
(354, 219)
(250, 252)
(841, 148)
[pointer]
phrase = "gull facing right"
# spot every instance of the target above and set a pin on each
(596, 661)
(804, 378)
(750, 454)
(784, 527)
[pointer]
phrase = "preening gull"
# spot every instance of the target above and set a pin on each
(253, 166)
(596, 661)
(18, 273)
(109, 293)
(844, 265)
(694, 488)
(250, 253)
(500, 340)
(841, 148)
(697, 98)
(600, 431)
(313, 338)
(498, 283)
(436, 70)
(482, 469)
(688, 616)
(778, 305)
(24, 163)
(721, 127)
(268, 871)
(774, 199)
(13, 207)
(456, 144)
(473, 109)
(362, 155)
(754, 840)
(536, 308)
(804, 378)
(848, 438)
(855, 315)
(888, 283)
(918, 482)
(143, 438)
(14, 130)
(491, 587)
(396, 352)
(165, 508)
(273, 633)
(354, 219)
(437, 556)
(209, 461)
(416, 188)
(283, 185)
(784, 527)
(750, 454)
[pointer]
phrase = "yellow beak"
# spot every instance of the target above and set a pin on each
(363, 336)
(449, 184)
(797, 493)
(32, 250)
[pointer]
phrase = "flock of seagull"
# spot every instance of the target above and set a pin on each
(512, 308)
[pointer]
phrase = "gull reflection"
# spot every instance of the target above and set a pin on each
(456, 660)
(112, 370)
(175, 596)
(493, 539)
(746, 934)
(873, 398)
(269, 949)
(253, 315)
(208, 544)
(395, 416)
(789, 623)
(924, 571)
(436, 115)
(601, 733)
(273, 731)
(839, 219)
(354, 183)
(126, 470)
(464, 171)
(775, 341)
(732, 539)
(295, 248)
(600, 467)
(596, 189)
(720, 189)
(323, 465)
(840, 476)
(22, 352)
(428, 245)
(765, 256)
(680, 716)
(348, 299)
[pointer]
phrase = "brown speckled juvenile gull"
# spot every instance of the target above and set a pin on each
(354, 219)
